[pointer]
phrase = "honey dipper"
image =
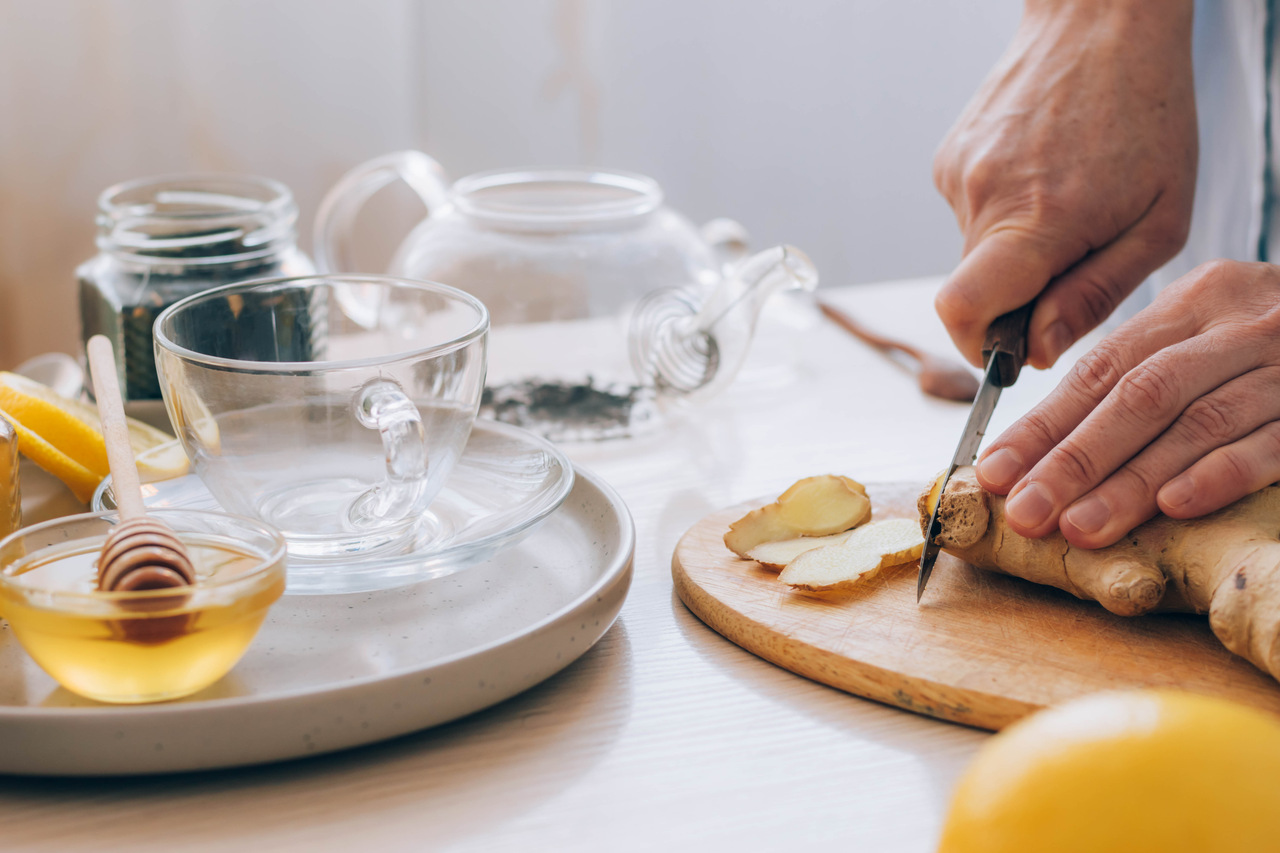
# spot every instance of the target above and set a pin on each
(141, 552)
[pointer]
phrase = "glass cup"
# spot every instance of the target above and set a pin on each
(146, 645)
(338, 434)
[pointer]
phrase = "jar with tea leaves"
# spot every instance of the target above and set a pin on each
(161, 239)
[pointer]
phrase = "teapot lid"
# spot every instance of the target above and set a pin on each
(542, 197)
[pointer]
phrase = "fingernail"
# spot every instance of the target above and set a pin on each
(1089, 515)
(1058, 339)
(1178, 491)
(1029, 507)
(1001, 467)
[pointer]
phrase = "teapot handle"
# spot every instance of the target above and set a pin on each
(331, 235)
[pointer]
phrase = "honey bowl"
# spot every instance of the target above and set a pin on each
(148, 645)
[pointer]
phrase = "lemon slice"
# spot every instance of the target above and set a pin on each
(64, 437)
(77, 477)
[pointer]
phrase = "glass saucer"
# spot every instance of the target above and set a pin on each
(506, 482)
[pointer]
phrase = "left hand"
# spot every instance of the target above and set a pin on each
(1177, 411)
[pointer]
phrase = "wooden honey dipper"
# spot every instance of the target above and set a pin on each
(141, 552)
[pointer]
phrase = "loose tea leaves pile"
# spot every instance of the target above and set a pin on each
(571, 410)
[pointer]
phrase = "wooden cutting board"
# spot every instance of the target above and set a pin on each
(982, 649)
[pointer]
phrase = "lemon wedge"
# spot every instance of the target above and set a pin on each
(64, 437)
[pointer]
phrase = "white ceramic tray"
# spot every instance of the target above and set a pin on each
(337, 671)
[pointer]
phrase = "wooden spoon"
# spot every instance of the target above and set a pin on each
(937, 376)
(141, 552)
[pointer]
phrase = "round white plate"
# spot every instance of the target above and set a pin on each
(506, 482)
(336, 671)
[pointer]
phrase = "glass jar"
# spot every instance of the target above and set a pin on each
(164, 238)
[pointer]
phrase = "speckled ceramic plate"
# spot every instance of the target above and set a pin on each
(336, 671)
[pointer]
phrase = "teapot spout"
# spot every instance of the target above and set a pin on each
(682, 345)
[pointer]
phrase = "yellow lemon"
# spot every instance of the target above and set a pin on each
(64, 437)
(81, 480)
(1125, 771)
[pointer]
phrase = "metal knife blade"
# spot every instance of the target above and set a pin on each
(1005, 351)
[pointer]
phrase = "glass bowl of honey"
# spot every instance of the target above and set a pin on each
(146, 645)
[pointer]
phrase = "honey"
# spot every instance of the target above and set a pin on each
(10, 496)
(138, 646)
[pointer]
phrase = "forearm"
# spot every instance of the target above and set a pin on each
(1172, 17)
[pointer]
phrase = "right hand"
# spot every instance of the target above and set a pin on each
(1072, 171)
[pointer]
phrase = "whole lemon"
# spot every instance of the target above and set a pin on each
(1124, 771)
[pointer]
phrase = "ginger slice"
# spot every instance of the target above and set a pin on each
(777, 555)
(868, 549)
(814, 506)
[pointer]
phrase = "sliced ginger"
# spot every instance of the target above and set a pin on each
(867, 549)
(776, 555)
(814, 506)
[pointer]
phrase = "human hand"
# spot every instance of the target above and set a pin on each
(1072, 171)
(1177, 410)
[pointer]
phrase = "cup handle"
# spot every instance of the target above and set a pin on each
(331, 235)
(381, 404)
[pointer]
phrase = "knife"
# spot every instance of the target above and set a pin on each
(1004, 351)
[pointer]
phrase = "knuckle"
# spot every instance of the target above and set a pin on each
(1098, 371)
(1096, 298)
(1209, 421)
(981, 179)
(1075, 463)
(1137, 487)
(1038, 430)
(1236, 466)
(1149, 391)
(942, 173)
(1213, 275)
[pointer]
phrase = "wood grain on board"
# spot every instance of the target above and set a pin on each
(981, 649)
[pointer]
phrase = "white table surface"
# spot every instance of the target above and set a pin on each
(664, 736)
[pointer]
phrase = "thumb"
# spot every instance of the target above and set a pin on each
(1004, 271)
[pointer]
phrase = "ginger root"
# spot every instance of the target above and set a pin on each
(814, 506)
(1226, 564)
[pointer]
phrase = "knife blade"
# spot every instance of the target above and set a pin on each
(1005, 351)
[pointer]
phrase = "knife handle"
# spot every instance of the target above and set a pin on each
(1006, 342)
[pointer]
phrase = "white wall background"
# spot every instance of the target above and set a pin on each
(810, 121)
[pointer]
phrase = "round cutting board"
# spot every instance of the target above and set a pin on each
(981, 649)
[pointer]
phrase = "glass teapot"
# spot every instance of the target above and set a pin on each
(609, 310)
